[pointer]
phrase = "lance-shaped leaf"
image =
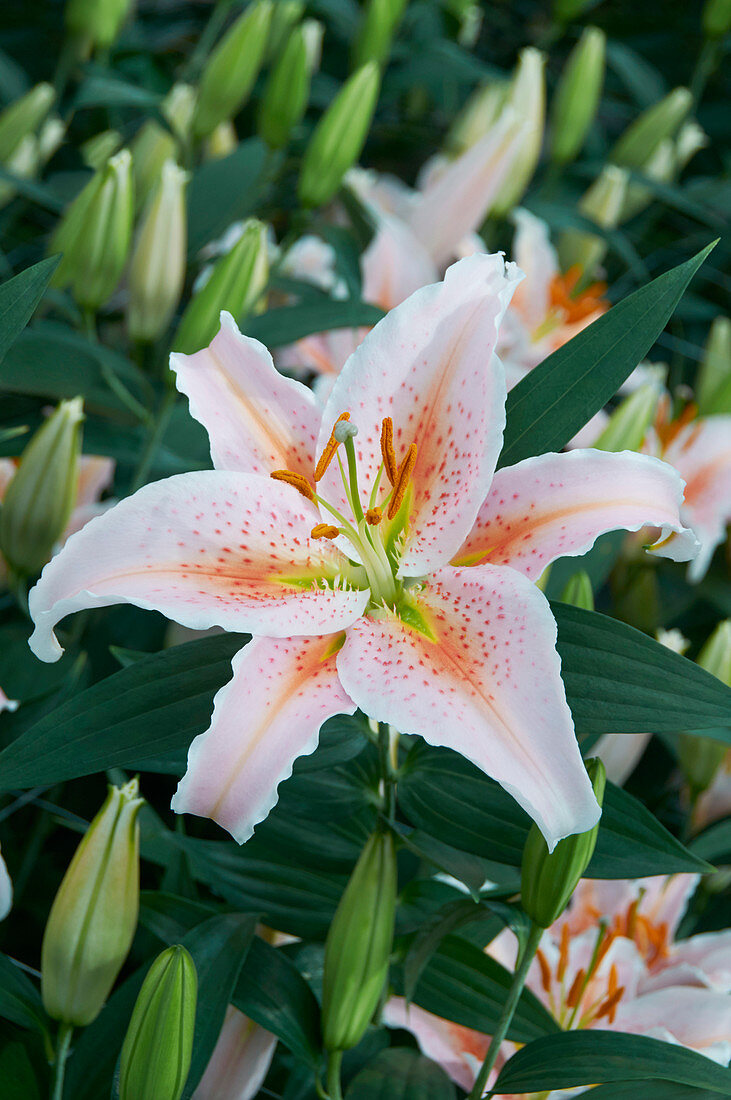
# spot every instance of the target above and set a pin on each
(19, 297)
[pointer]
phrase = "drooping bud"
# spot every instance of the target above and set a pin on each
(339, 137)
(629, 423)
(94, 915)
(240, 1060)
(358, 945)
(41, 496)
(527, 98)
(96, 23)
(153, 144)
(157, 269)
(378, 24)
(287, 91)
(700, 757)
(94, 234)
(576, 97)
(548, 879)
(236, 284)
(601, 204)
(716, 18)
(578, 591)
(23, 118)
(158, 1046)
(713, 386)
(232, 68)
(642, 137)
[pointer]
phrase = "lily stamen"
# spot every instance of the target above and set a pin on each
(374, 516)
(329, 450)
(324, 531)
(299, 481)
(389, 455)
(404, 476)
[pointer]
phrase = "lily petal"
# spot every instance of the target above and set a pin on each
(556, 505)
(696, 1018)
(703, 960)
(620, 753)
(265, 717)
(206, 549)
(6, 890)
(488, 686)
(702, 455)
(95, 475)
(456, 200)
(429, 366)
(535, 255)
(395, 264)
(257, 420)
(240, 1060)
(458, 1050)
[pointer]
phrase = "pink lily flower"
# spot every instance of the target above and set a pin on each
(240, 1060)
(408, 593)
(609, 962)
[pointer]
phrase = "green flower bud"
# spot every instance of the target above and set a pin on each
(285, 17)
(578, 591)
(700, 757)
(602, 204)
(153, 144)
(22, 163)
(23, 118)
(236, 284)
(378, 25)
(95, 232)
(478, 115)
(564, 11)
(358, 945)
(339, 137)
(157, 1048)
(221, 143)
(99, 148)
(287, 91)
(41, 496)
(527, 98)
(157, 268)
(713, 387)
(94, 915)
(97, 22)
(548, 879)
(629, 423)
(642, 137)
(232, 68)
(716, 18)
(577, 95)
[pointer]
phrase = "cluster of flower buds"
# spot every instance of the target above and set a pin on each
(28, 136)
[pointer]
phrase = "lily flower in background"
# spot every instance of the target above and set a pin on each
(396, 577)
(6, 886)
(240, 1060)
(715, 802)
(611, 961)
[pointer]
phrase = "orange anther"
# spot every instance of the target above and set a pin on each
(324, 531)
(609, 1008)
(577, 988)
(404, 476)
(329, 451)
(632, 918)
(299, 481)
(671, 431)
(613, 982)
(389, 455)
(374, 516)
(545, 970)
(563, 958)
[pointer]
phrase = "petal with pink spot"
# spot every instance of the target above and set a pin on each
(212, 548)
(489, 687)
(556, 505)
(268, 714)
(429, 365)
(257, 420)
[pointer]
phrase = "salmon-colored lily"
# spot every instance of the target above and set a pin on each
(240, 1060)
(611, 962)
(374, 553)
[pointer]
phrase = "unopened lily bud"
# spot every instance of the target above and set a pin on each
(713, 387)
(690, 140)
(476, 118)
(527, 98)
(95, 234)
(358, 945)
(577, 95)
(700, 757)
(548, 879)
(153, 144)
(99, 148)
(158, 1046)
(94, 915)
(236, 284)
(339, 137)
(157, 269)
(378, 25)
(602, 204)
(660, 168)
(285, 17)
(232, 68)
(564, 11)
(22, 163)
(629, 423)
(287, 91)
(96, 22)
(716, 18)
(40, 498)
(221, 142)
(23, 118)
(578, 591)
(640, 140)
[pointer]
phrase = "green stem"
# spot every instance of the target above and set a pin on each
(63, 1045)
(334, 1060)
(516, 988)
(353, 478)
